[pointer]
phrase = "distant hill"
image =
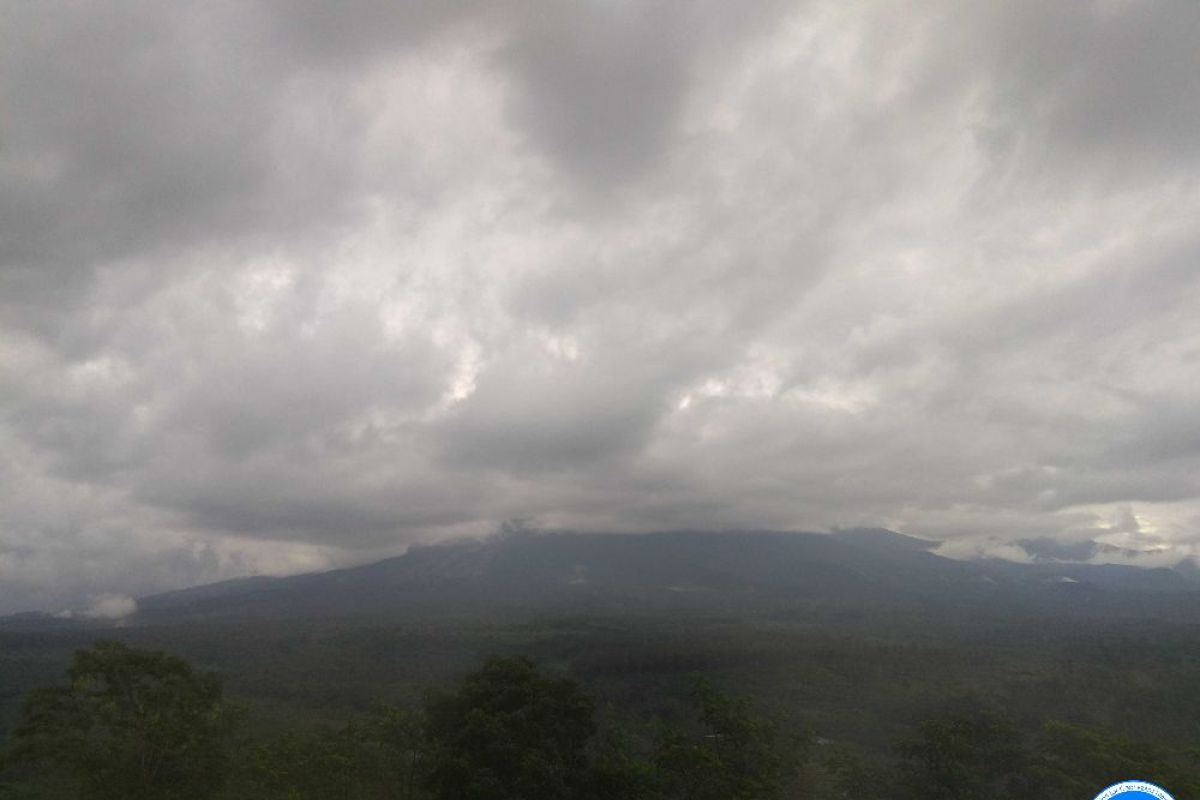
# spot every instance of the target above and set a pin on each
(732, 573)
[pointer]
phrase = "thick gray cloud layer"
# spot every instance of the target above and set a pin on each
(286, 284)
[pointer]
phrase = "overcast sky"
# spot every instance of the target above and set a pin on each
(288, 284)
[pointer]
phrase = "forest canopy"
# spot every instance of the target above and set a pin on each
(132, 723)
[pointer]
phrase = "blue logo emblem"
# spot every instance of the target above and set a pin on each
(1134, 790)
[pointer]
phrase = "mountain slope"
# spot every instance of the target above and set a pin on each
(730, 573)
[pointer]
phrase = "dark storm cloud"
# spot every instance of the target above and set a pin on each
(1108, 78)
(286, 284)
(134, 132)
(133, 127)
(601, 84)
(315, 32)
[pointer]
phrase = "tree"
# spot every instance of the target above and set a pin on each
(381, 755)
(129, 724)
(510, 733)
(969, 756)
(735, 754)
(849, 775)
(1075, 759)
(391, 751)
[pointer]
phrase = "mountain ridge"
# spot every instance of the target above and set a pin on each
(734, 571)
(524, 573)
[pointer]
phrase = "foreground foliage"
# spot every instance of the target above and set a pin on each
(129, 723)
(134, 723)
(510, 733)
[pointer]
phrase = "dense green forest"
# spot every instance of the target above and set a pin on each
(651, 707)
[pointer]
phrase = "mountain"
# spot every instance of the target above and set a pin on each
(728, 573)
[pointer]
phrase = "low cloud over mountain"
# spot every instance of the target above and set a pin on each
(286, 286)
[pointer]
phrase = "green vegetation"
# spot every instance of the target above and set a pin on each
(509, 733)
(135, 723)
(129, 723)
(381, 755)
(593, 708)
